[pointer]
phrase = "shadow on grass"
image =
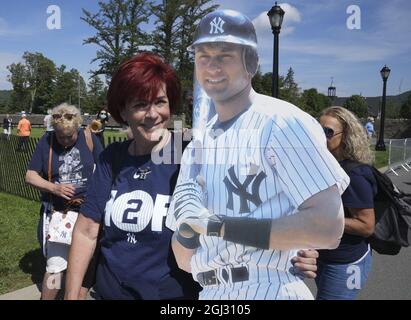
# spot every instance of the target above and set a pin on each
(33, 263)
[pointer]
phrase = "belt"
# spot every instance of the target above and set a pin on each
(210, 278)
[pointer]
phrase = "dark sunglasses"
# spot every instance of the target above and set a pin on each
(67, 116)
(329, 133)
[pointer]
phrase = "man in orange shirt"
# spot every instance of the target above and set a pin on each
(24, 132)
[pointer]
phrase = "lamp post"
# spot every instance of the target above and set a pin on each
(276, 15)
(380, 146)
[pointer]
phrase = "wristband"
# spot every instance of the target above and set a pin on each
(214, 225)
(248, 231)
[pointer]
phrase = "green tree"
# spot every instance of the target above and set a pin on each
(40, 74)
(262, 82)
(96, 96)
(289, 90)
(313, 102)
(358, 105)
(67, 87)
(405, 111)
(392, 110)
(119, 34)
(20, 96)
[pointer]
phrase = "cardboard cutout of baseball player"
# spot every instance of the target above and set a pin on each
(258, 185)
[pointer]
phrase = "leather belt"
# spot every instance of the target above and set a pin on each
(210, 278)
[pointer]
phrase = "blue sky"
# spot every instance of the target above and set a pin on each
(314, 40)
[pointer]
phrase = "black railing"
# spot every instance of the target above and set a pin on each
(14, 162)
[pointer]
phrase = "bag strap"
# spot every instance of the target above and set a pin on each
(89, 138)
(50, 156)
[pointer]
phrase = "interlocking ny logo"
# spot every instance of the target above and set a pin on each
(217, 25)
(234, 186)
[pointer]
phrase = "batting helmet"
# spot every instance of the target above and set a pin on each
(231, 27)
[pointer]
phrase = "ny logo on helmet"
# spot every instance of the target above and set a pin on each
(217, 26)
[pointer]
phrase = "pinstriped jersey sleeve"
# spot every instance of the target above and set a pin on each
(297, 152)
(188, 197)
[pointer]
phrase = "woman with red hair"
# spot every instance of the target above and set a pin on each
(130, 192)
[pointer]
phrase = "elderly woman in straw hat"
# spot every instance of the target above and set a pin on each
(60, 168)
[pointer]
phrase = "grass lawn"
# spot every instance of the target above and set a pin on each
(381, 158)
(21, 262)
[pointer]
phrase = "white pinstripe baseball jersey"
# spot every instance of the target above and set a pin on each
(264, 163)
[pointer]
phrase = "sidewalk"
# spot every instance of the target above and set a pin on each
(31, 293)
(28, 293)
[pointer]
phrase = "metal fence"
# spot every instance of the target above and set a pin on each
(399, 155)
(13, 165)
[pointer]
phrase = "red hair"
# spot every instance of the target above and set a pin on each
(141, 77)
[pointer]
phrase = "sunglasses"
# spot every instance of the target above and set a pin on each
(67, 116)
(329, 133)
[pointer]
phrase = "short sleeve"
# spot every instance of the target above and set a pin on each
(362, 189)
(37, 159)
(297, 152)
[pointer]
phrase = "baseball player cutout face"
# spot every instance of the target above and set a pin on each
(147, 118)
(220, 70)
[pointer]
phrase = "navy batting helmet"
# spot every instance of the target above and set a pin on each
(231, 27)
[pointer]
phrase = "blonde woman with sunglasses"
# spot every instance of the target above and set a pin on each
(342, 272)
(60, 168)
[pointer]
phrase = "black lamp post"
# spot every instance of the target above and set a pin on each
(276, 15)
(380, 146)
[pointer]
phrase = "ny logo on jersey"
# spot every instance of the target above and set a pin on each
(234, 186)
(217, 26)
(131, 238)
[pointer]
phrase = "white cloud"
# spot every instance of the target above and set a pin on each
(263, 27)
(356, 52)
(7, 30)
(6, 59)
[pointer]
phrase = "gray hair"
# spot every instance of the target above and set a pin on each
(63, 108)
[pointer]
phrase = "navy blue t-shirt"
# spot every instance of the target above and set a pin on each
(359, 195)
(137, 260)
(73, 165)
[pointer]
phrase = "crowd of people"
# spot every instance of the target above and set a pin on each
(260, 200)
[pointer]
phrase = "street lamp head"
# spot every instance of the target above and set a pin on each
(385, 73)
(276, 15)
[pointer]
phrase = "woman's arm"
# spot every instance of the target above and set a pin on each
(361, 222)
(183, 255)
(66, 191)
(81, 251)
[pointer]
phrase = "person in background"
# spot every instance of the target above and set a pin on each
(24, 132)
(73, 155)
(348, 142)
(98, 126)
(7, 125)
(369, 127)
(47, 121)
